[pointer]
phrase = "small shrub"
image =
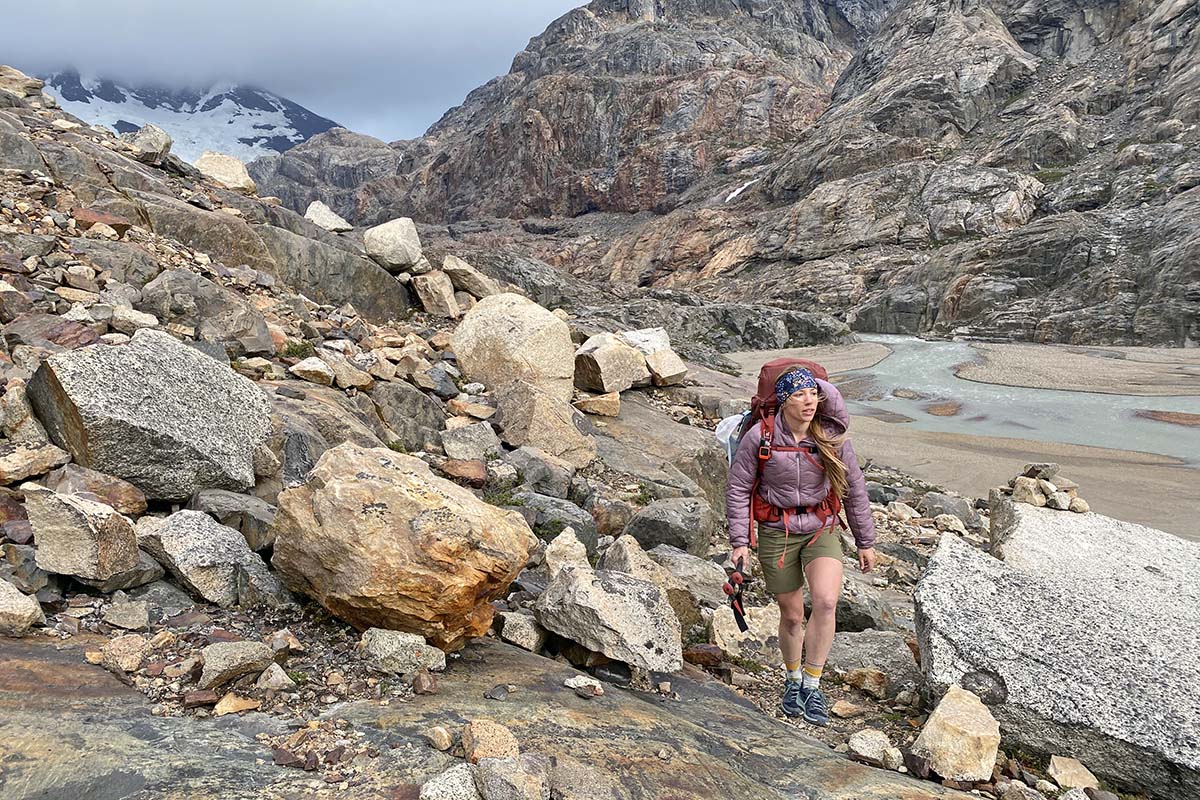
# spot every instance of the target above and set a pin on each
(299, 349)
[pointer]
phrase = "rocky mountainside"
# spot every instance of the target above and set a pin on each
(413, 534)
(1017, 170)
(243, 121)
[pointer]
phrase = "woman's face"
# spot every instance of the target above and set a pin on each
(804, 402)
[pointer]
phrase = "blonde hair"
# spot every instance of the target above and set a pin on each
(829, 446)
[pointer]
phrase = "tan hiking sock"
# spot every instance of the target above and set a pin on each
(794, 672)
(811, 676)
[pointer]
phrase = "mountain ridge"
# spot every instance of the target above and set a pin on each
(239, 119)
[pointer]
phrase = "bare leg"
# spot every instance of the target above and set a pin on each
(824, 576)
(791, 625)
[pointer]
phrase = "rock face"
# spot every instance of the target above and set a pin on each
(380, 541)
(831, 161)
(624, 618)
(78, 536)
(1106, 644)
(154, 412)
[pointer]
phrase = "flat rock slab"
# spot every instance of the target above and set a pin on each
(711, 743)
(71, 729)
(1087, 623)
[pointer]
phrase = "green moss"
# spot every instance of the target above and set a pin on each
(299, 678)
(298, 350)
(398, 447)
(501, 497)
(1050, 175)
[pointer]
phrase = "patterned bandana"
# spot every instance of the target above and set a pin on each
(793, 381)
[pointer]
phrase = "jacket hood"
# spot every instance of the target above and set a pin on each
(832, 410)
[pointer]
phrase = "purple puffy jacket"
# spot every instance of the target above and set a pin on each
(790, 480)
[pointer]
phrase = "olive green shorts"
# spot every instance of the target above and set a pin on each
(799, 555)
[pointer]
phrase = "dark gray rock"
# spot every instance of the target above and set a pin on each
(934, 503)
(218, 314)
(686, 523)
(416, 418)
(542, 472)
(333, 276)
(885, 651)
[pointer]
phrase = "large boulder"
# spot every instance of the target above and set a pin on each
(79, 536)
(380, 541)
(506, 337)
(416, 418)
(211, 560)
(1086, 623)
(320, 214)
(154, 412)
(671, 459)
(150, 143)
(626, 555)
(604, 363)
(468, 279)
(394, 245)
(665, 366)
(704, 578)
(625, 618)
(216, 313)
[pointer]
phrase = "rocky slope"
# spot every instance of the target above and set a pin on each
(987, 167)
(368, 494)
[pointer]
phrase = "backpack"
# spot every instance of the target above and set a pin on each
(763, 406)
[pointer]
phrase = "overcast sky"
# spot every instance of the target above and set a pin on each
(386, 68)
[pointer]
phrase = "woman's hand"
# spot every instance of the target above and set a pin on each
(866, 558)
(742, 553)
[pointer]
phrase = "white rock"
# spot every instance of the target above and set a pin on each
(320, 214)
(313, 370)
(399, 652)
(394, 245)
(18, 611)
(226, 170)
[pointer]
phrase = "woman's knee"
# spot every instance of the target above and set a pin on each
(824, 603)
(791, 610)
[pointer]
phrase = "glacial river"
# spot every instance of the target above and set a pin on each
(1103, 420)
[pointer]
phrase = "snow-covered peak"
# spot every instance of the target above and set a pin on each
(232, 118)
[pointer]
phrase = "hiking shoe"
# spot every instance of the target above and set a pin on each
(793, 699)
(816, 710)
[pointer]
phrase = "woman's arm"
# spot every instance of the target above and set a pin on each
(858, 504)
(742, 472)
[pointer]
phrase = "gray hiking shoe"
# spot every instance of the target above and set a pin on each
(793, 699)
(816, 709)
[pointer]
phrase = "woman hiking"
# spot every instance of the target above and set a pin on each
(790, 473)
